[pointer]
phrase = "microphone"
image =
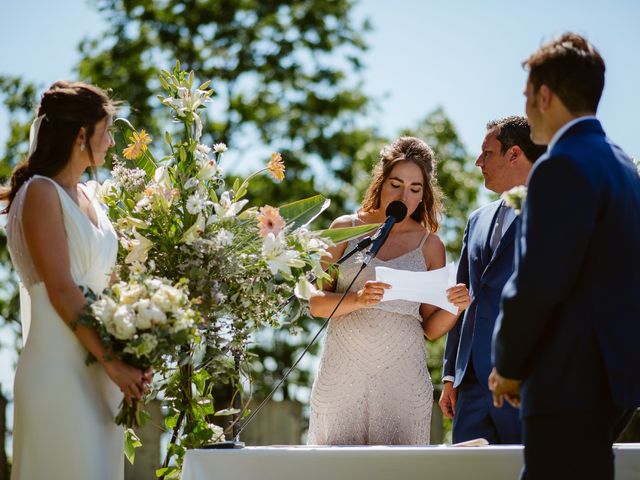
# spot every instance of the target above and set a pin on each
(395, 212)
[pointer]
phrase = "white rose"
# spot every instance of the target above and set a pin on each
(122, 325)
(104, 309)
(167, 298)
(148, 315)
(131, 293)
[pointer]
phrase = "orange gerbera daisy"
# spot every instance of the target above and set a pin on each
(276, 166)
(138, 145)
(270, 221)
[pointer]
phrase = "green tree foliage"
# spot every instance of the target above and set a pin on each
(282, 74)
(457, 176)
(19, 100)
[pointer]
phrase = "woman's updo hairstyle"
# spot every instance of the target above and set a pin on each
(65, 108)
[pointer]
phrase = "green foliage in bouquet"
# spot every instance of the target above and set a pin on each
(177, 219)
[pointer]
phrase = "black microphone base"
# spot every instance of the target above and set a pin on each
(227, 445)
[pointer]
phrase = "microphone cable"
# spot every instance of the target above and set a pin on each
(313, 340)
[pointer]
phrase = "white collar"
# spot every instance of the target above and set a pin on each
(562, 130)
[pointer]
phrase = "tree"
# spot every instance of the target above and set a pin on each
(281, 72)
(19, 99)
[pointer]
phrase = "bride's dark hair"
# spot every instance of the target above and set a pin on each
(413, 150)
(67, 107)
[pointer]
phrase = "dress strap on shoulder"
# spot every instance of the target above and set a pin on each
(424, 239)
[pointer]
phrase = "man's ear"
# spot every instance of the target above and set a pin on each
(545, 96)
(515, 153)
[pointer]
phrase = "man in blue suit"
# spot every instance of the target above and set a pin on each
(486, 263)
(567, 342)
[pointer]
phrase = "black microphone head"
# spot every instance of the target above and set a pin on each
(397, 210)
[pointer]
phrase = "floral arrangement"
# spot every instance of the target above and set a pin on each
(177, 219)
(144, 323)
(515, 198)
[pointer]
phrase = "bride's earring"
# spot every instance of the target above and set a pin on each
(82, 147)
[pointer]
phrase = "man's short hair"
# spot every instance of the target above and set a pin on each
(572, 68)
(515, 130)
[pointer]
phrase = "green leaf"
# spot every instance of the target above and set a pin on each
(339, 235)
(166, 472)
(124, 131)
(302, 212)
(131, 442)
(171, 421)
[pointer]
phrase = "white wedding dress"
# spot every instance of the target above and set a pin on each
(63, 409)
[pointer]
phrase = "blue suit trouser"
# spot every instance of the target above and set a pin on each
(476, 417)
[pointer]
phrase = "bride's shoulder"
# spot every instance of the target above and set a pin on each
(41, 199)
(40, 188)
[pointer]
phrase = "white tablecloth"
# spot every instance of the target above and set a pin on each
(373, 463)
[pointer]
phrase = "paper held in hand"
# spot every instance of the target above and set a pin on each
(424, 287)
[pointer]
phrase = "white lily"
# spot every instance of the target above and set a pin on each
(226, 208)
(161, 177)
(138, 248)
(208, 171)
(195, 231)
(304, 289)
(279, 259)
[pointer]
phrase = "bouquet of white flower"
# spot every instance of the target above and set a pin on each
(144, 322)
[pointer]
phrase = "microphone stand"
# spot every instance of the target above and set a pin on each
(236, 443)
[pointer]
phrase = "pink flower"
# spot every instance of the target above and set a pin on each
(270, 221)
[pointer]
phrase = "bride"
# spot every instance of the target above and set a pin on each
(60, 239)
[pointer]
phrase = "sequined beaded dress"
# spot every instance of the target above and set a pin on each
(373, 386)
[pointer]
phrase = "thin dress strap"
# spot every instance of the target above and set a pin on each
(424, 239)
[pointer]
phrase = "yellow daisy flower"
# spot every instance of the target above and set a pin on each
(138, 145)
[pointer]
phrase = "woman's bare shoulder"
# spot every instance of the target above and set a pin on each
(41, 193)
(434, 252)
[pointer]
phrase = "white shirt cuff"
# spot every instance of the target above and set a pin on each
(448, 378)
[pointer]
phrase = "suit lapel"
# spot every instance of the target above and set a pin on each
(506, 240)
(491, 213)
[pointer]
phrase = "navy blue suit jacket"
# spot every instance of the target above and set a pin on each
(485, 273)
(570, 321)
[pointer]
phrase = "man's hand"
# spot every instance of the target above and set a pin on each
(448, 399)
(504, 388)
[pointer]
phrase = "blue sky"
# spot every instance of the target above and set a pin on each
(462, 55)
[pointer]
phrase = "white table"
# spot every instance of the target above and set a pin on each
(373, 463)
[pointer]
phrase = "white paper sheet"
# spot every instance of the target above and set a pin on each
(424, 287)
